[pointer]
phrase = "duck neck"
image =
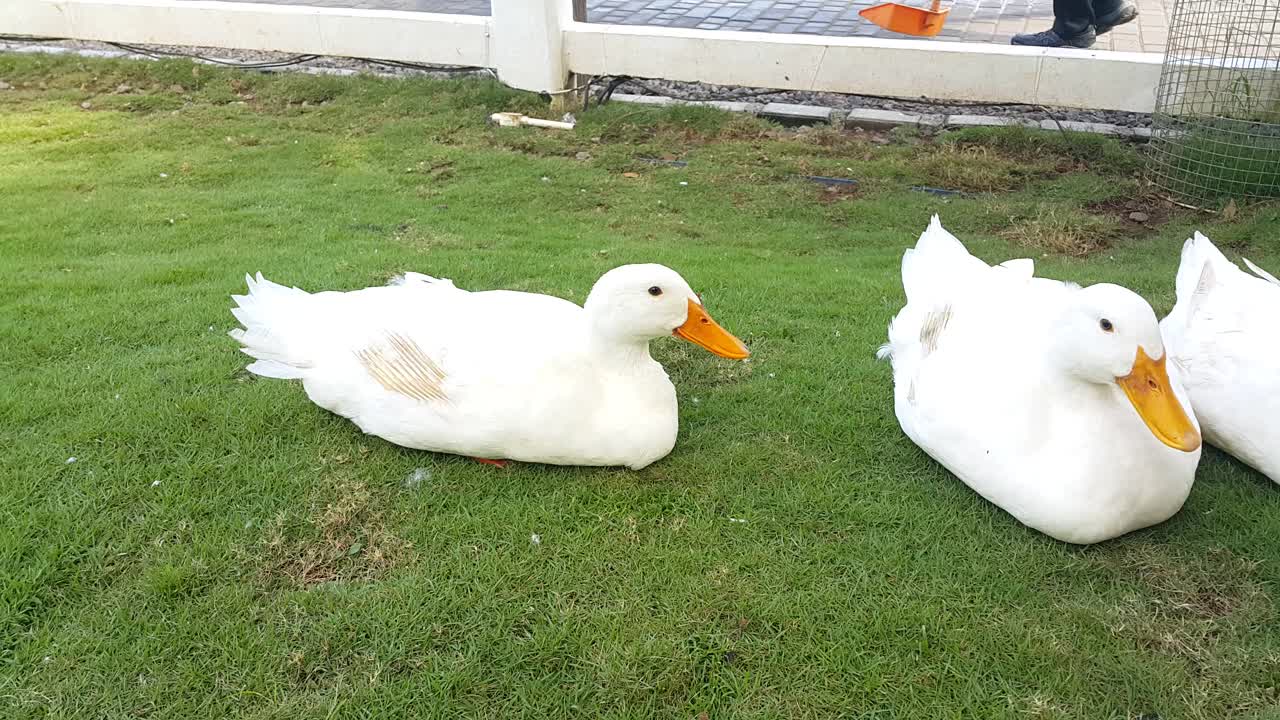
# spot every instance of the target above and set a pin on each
(614, 348)
(622, 354)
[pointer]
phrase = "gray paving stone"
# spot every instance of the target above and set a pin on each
(963, 121)
(731, 106)
(1096, 128)
(645, 99)
(788, 113)
(872, 119)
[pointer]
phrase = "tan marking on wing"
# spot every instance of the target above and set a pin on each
(1208, 279)
(931, 330)
(402, 367)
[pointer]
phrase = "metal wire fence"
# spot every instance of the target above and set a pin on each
(1217, 118)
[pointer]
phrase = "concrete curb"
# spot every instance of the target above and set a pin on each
(875, 119)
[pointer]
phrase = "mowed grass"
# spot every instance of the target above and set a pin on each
(222, 548)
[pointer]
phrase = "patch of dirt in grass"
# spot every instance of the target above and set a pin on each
(849, 145)
(836, 193)
(1210, 587)
(342, 537)
(649, 131)
(411, 234)
(1065, 151)
(1197, 610)
(1138, 216)
(288, 91)
(1064, 232)
(432, 170)
(977, 168)
(536, 142)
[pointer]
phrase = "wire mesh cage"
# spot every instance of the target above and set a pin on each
(1216, 128)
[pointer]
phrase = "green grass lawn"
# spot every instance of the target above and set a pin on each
(223, 548)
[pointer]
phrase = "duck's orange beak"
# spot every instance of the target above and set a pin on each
(1147, 386)
(704, 332)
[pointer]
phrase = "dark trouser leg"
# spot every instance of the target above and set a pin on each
(1073, 17)
(1103, 8)
(1109, 13)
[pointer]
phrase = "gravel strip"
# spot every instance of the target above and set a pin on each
(338, 65)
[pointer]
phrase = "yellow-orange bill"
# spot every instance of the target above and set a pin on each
(704, 332)
(1147, 387)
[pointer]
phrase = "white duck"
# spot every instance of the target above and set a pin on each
(1050, 400)
(1224, 336)
(493, 375)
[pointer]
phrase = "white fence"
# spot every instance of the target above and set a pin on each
(536, 45)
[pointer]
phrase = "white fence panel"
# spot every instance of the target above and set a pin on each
(382, 34)
(872, 66)
(535, 45)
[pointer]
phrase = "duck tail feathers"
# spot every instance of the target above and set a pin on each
(936, 263)
(1196, 253)
(273, 317)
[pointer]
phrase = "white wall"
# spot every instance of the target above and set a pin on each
(872, 66)
(382, 34)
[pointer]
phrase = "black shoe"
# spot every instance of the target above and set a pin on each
(1127, 12)
(1049, 38)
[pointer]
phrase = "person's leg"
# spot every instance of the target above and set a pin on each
(1072, 26)
(1072, 18)
(1110, 13)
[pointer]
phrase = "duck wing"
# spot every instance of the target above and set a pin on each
(417, 346)
(1225, 341)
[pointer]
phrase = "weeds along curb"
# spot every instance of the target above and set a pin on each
(784, 113)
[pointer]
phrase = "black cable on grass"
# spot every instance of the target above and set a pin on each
(461, 69)
(606, 93)
(28, 38)
(730, 96)
(262, 65)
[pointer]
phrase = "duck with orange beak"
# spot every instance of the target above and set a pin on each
(495, 375)
(1054, 402)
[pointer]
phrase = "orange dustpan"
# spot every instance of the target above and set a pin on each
(906, 19)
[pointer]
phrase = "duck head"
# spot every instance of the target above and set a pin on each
(639, 303)
(1109, 335)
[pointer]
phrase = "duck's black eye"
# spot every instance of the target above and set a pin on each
(1106, 325)
(655, 291)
